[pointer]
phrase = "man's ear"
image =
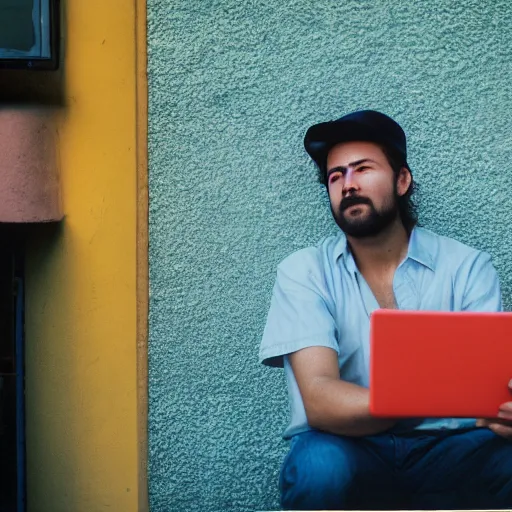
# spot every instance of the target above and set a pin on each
(403, 181)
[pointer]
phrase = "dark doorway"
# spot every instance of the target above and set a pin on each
(12, 400)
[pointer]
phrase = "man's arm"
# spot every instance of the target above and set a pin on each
(333, 405)
(301, 327)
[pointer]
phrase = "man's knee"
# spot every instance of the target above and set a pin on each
(474, 470)
(495, 477)
(319, 471)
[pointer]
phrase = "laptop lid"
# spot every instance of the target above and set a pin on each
(439, 364)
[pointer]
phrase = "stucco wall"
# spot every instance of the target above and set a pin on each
(233, 87)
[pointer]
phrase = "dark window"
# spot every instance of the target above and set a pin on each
(17, 25)
(29, 35)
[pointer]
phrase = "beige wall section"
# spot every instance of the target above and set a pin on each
(81, 307)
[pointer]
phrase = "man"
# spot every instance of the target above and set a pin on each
(318, 329)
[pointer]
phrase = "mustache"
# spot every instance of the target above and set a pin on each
(349, 201)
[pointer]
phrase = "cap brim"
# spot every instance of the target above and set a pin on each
(320, 138)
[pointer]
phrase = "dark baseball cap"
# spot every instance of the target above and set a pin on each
(362, 125)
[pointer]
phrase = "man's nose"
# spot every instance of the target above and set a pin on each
(349, 182)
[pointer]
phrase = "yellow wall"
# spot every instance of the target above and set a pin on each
(81, 306)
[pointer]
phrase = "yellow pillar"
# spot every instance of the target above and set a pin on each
(84, 435)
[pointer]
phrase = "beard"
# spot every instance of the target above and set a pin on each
(369, 224)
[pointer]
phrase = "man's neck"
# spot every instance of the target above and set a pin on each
(383, 252)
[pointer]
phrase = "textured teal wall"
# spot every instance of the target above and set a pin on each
(233, 87)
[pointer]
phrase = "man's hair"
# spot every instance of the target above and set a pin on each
(406, 207)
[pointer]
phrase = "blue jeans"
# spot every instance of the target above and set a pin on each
(465, 469)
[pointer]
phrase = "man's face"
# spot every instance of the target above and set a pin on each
(363, 189)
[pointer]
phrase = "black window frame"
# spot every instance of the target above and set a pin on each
(43, 64)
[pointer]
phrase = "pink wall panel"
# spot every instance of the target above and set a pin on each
(29, 181)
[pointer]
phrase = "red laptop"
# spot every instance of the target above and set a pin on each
(439, 364)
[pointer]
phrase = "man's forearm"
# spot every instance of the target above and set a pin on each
(343, 408)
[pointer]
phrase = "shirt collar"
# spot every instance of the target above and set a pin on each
(342, 249)
(421, 249)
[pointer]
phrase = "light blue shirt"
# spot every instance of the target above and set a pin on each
(321, 299)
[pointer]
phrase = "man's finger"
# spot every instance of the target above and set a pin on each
(507, 406)
(505, 411)
(501, 430)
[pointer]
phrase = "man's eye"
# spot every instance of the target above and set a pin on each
(334, 177)
(361, 169)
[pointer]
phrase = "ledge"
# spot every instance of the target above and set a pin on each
(29, 178)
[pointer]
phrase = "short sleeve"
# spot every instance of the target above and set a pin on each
(482, 291)
(299, 315)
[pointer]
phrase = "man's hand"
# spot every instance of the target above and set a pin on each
(502, 425)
